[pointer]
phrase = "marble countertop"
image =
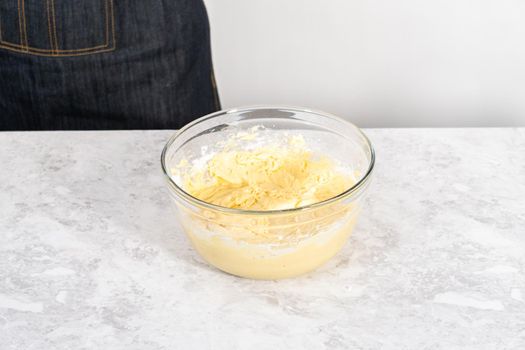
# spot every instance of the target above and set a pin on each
(92, 258)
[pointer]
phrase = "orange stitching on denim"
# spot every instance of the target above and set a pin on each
(57, 55)
(71, 52)
(58, 51)
(25, 24)
(20, 23)
(54, 24)
(107, 21)
(113, 22)
(49, 26)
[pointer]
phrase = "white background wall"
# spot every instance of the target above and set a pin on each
(376, 62)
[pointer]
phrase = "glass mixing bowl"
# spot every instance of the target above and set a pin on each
(270, 244)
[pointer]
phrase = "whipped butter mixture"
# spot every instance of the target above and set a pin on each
(267, 178)
(275, 175)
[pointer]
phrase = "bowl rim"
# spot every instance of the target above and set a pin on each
(198, 202)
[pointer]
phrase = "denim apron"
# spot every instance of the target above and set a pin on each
(104, 64)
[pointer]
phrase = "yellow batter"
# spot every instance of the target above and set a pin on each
(268, 178)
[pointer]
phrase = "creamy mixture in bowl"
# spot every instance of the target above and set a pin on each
(268, 193)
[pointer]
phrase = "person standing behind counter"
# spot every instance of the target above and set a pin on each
(104, 64)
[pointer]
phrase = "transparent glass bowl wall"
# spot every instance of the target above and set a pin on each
(278, 243)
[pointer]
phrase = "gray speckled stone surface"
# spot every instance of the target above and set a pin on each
(92, 258)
